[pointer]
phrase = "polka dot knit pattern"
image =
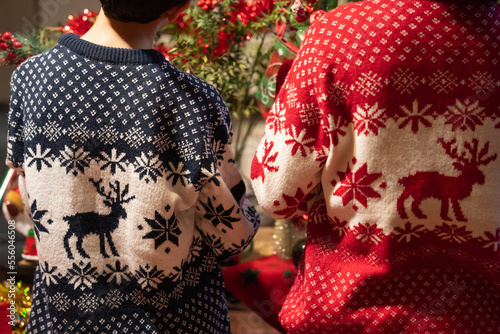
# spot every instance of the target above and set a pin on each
(385, 134)
(133, 189)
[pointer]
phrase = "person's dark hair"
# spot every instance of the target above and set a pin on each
(144, 11)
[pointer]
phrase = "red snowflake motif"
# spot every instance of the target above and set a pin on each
(369, 119)
(492, 241)
(357, 185)
(464, 115)
(415, 116)
(408, 232)
(368, 233)
(267, 159)
(299, 141)
(297, 203)
(453, 233)
(276, 119)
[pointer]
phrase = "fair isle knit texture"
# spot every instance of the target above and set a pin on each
(133, 190)
(386, 134)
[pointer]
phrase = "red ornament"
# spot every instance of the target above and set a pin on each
(11, 55)
(17, 45)
(81, 23)
(7, 35)
(207, 5)
(4, 46)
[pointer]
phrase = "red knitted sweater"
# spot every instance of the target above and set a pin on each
(386, 133)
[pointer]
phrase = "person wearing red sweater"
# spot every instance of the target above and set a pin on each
(386, 135)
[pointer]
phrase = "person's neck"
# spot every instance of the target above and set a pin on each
(129, 35)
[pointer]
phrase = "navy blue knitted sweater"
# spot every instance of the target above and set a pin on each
(133, 190)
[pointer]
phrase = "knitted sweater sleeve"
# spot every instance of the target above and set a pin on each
(224, 216)
(15, 137)
(286, 169)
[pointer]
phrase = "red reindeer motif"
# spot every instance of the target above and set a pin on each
(424, 185)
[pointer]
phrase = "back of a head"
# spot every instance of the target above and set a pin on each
(137, 11)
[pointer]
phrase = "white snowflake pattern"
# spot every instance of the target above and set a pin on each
(163, 142)
(30, 130)
(178, 291)
(60, 301)
(405, 81)
(443, 82)
(108, 135)
(292, 96)
(276, 119)
(209, 263)
(337, 93)
(309, 115)
(482, 83)
(188, 150)
(88, 302)
(114, 299)
(135, 137)
(160, 300)
(52, 130)
(368, 83)
(79, 132)
(192, 277)
(138, 298)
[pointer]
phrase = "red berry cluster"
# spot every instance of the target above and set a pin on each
(207, 5)
(302, 13)
(9, 50)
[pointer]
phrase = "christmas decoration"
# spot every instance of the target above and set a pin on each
(80, 23)
(284, 231)
(228, 43)
(14, 202)
(30, 251)
(19, 295)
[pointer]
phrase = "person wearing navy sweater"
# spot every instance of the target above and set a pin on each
(126, 168)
